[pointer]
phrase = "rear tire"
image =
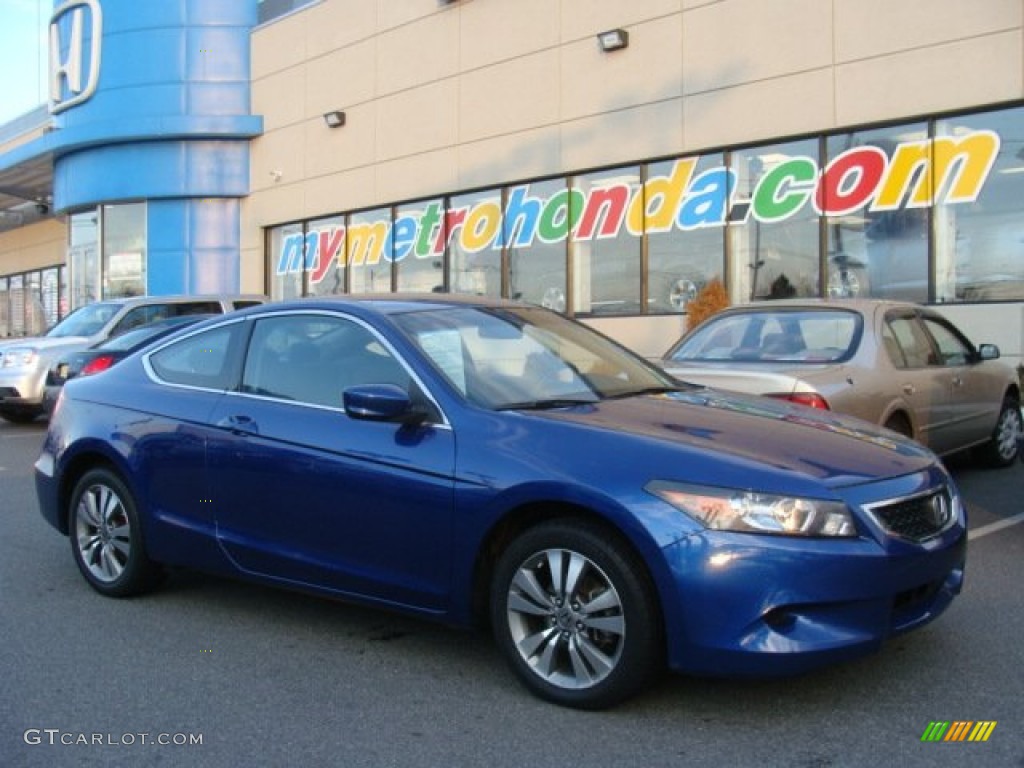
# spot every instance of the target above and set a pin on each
(106, 538)
(1003, 447)
(574, 613)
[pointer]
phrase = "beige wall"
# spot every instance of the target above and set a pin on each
(32, 247)
(444, 97)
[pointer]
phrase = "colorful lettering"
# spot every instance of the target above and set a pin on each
(922, 173)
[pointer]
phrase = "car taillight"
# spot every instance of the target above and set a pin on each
(810, 399)
(98, 364)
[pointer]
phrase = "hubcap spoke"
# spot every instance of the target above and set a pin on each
(599, 662)
(103, 533)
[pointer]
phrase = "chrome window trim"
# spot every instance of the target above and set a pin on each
(147, 366)
(444, 423)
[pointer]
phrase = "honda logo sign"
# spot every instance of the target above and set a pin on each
(68, 87)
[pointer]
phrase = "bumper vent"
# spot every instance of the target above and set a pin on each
(917, 518)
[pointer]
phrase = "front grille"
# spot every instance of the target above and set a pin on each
(917, 518)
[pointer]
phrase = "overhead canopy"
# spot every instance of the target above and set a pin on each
(26, 186)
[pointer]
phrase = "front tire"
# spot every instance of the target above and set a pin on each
(1002, 449)
(106, 539)
(19, 415)
(574, 614)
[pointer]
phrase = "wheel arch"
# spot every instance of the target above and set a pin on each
(529, 514)
(898, 411)
(75, 467)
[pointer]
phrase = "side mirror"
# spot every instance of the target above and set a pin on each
(988, 352)
(381, 402)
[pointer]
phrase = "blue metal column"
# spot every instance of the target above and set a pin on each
(169, 122)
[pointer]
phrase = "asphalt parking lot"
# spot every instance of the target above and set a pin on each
(209, 672)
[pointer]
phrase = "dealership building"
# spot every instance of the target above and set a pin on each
(604, 158)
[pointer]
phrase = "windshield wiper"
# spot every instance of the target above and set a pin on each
(543, 404)
(660, 390)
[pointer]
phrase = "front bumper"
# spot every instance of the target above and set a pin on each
(761, 605)
(21, 386)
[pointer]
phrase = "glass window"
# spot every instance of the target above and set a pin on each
(417, 246)
(879, 251)
(124, 250)
(35, 316)
(525, 357)
(474, 252)
(682, 255)
(5, 318)
(802, 336)
(775, 248)
(979, 236)
(16, 289)
(83, 259)
(535, 233)
(287, 261)
(51, 296)
(954, 349)
(912, 348)
(325, 257)
(605, 253)
(202, 360)
(368, 248)
(313, 359)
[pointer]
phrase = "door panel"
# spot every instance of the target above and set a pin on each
(305, 493)
(924, 387)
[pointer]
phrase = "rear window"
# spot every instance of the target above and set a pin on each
(811, 336)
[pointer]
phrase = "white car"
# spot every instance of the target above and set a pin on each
(24, 362)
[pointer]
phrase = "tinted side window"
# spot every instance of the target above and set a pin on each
(133, 318)
(203, 360)
(953, 350)
(912, 342)
(195, 308)
(314, 358)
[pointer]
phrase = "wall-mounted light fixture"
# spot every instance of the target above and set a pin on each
(334, 119)
(613, 39)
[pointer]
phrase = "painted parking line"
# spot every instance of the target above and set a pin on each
(999, 525)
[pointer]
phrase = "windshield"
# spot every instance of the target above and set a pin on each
(807, 336)
(516, 357)
(85, 321)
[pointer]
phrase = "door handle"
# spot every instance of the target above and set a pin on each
(909, 389)
(957, 381)
(239, 424)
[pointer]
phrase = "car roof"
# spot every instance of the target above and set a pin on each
(389, 303)
(131, 301)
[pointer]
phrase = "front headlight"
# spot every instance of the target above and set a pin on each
(724, 509)
(20, 357)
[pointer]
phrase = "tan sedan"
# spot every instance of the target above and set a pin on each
(900, 365)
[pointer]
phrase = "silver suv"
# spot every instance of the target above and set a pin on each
(25, 362)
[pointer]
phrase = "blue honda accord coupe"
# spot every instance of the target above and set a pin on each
(492, 463)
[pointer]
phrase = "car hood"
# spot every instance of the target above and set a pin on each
(755, 436)
(46, 342)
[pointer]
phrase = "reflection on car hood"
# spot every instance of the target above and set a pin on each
(834, 449)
